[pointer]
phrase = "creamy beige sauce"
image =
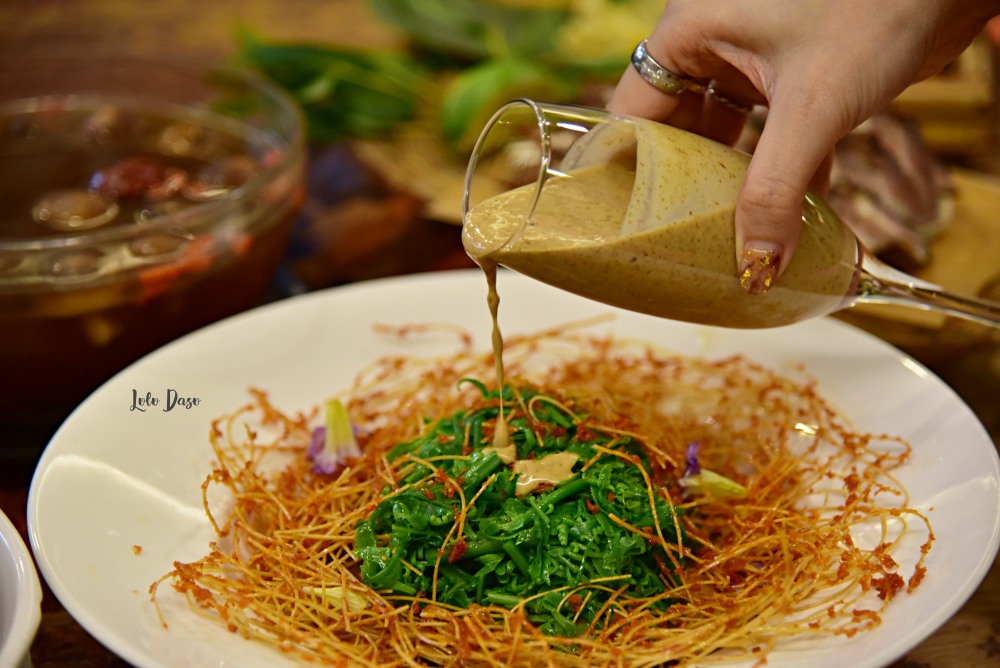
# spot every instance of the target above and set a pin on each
(507, 453)
(642, 218)
(501, 434)
(551, 469)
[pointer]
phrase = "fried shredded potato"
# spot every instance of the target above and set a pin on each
(822, 542)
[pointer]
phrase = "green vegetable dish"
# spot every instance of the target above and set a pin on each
(563, 550)
(616, 506)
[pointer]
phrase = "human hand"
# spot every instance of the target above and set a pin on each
(821, 66)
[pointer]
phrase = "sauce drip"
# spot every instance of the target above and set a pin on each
(501, 435)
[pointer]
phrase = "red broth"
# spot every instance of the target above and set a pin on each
(123, 227)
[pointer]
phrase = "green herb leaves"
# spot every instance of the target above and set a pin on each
(343, 93)
(473, 29)
(475, 55)
(454, 530)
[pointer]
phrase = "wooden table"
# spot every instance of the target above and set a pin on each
(970, 638)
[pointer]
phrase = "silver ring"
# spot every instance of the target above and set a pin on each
(656, 75)
(739, 107)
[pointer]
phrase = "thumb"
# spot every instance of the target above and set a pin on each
(792, 148)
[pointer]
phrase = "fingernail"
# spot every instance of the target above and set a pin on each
(759, 266)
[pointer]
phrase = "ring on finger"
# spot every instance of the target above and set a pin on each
(657, 75)
(735, 105)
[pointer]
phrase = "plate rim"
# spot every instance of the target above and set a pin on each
(20, 632)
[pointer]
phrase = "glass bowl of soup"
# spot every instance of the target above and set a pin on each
(140, 199)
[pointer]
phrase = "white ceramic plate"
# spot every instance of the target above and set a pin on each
(114, 478)
(20, 597)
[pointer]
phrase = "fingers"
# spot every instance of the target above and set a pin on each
(793, 147)
(793, 151)
(720, 121)
(700, 109)
(818, 85)
(635, 97)
(820, 181)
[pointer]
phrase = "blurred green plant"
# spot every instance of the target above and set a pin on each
(485, 52)
(474, 30)
(342, 93)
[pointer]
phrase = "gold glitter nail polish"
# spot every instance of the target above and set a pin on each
(759, 267)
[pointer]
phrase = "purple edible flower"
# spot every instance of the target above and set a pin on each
(693, 465)
(316, 443)
(697, 481)
(332, 443)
